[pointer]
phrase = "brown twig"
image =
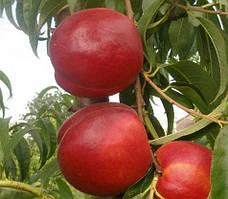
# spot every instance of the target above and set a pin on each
(158, 168)
(138, 91)
(129, 10)
(179, 105)
(199, 9)
(139, 99)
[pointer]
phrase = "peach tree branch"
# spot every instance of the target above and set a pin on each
(179, 105)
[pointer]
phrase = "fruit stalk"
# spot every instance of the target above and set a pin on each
(25, 187)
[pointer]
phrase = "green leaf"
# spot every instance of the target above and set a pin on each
(5, 139)
(11, 169)
(38, 140)
(2, 106)
(208, 56)
(193, 74)
(162, 42)
(220, 48)
(93, 4)
(16, 137)
(64, 189)
(190, 130)
(181, 36)
(31, 8)
(72, 5)
(219, 174)
(181, 99)
(140, 186)
(148, 14)
(27, 6)
(44, 91)
(136, 6)
(6, 81)
(212, 134)
(193, 94)
(8, 9)
(49, 170)
(51, 132)
(127, 96)
(22, 152)
(209, 130)
(117, 5)
(50, 8)
(170, 115)
(1, 7)
(20, 16)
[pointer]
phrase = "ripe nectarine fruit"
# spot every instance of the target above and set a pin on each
(185, 170)
(103, 149)
(96, 53)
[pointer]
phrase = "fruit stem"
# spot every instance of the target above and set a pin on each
(153, 189)
(25, 187)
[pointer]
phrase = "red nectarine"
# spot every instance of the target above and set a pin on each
(103, 149)
(96, 53)
(185, 170)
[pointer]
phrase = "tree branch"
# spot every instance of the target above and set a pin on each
(25, 187)
(179, 105)
(199, 9)
(138, 91)
(129, 10)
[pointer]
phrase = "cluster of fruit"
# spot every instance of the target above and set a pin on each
(103, 148)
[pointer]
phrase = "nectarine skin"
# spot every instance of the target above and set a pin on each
(104, 149)
(96, 53)
(185, 170)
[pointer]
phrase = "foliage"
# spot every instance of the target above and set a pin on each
(186, 55)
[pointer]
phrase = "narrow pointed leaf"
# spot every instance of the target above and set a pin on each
(9, 13)
(190, 130)
(194, 95)
(49, 170)
(220, 48)
(143, 24)
(22, 152)
(170, 115)
(11, 169)
(44, 91)
(219, 174)
(181, 35)
(193, 74)
(5, 139)
(140, 186)
(49, 9)
(6, 81)
(20, 16)
(208, 57)
(50, 130)
(117, 5)
(39, 140)
(2, 106)
(1, 7)
(16, 138)
(182, 99)
(72, 5)
(64, 189)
